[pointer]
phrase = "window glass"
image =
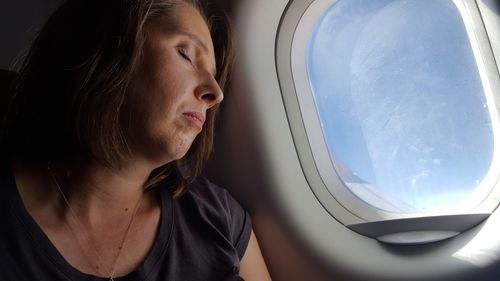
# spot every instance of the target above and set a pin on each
(401, 102)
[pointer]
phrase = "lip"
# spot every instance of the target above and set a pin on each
(197, 118)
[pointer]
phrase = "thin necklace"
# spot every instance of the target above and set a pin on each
(112, 271)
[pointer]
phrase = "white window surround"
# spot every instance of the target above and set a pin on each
(287, 159)
(297, 24)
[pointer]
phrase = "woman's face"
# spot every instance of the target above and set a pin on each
(173, 86)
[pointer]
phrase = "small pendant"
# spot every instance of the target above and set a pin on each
(111, 279)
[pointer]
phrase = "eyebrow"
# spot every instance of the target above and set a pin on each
(197, 41)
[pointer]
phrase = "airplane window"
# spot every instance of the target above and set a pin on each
(393, 108)
(404, 105)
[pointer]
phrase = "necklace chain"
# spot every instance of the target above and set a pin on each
(112, 271)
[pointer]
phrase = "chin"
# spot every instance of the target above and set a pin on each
(180, 155)
(163, 150)
(178, 151)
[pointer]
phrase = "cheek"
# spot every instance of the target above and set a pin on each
(166, 89)
(163, 76)
(157, 99)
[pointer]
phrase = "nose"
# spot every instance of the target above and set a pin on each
(209, 91)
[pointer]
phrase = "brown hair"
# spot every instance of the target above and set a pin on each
(71, 88)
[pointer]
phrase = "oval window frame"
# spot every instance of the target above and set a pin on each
(296, 26)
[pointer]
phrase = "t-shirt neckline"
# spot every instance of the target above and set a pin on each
(48, 250)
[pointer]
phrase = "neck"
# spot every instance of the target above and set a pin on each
(99, 209)
(100, 219)
(99, 194)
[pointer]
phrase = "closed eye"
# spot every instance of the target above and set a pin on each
(184, 56)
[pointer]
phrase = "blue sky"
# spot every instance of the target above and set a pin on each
(400, 98)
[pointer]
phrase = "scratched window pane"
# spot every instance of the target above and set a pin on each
(401, 102)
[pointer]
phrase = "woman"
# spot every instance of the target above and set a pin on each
(109, 125)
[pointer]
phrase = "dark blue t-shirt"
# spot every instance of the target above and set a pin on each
(202, 236)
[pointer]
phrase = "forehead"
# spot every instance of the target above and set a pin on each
(184, 17)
